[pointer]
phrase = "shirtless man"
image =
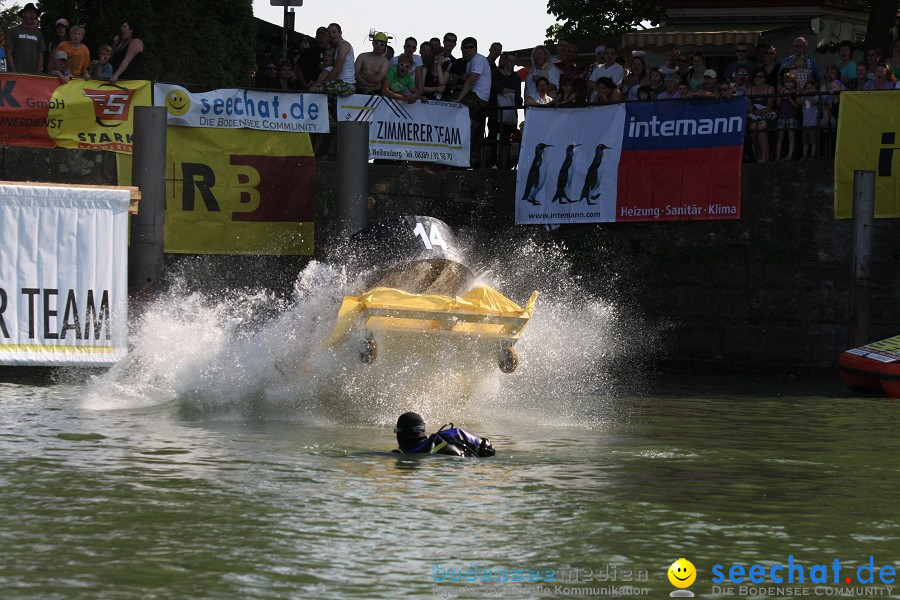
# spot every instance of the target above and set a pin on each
(372, 67)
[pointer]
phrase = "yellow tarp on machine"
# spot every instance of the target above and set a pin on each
(482, 311)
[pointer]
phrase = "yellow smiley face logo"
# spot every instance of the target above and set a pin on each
(682, 573)
(177, 103)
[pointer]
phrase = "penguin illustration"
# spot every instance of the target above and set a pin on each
(566, 175)
(592, 179)
(536, 175)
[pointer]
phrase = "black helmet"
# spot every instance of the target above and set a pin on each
(410, 430)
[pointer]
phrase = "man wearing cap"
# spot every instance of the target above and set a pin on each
(372, 67)
(25, 43)
(449, 440)
(708, 88)
(609, 68)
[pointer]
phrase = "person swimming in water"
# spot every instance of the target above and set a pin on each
(450, 440)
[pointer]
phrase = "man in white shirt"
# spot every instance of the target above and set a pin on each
(671, 65)
(409, 47)
(609, 68)
(475, 92)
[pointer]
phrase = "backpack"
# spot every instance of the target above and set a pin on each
(468, 442)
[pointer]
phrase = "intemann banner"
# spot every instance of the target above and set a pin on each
(89, 115)
(63, 275)
(637, 161)
(868, 139)
(435, 132)
(239, 108)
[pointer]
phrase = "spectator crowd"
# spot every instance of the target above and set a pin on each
(24, 50)
(786, 94)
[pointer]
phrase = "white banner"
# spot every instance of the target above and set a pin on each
(63, 275)
(247, 109)
(435, 132)
(568, 156)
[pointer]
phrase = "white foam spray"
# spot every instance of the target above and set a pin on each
(215, 355)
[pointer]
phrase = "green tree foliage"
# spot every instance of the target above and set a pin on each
(591, 19)
(882, 17)
(9, 16)
(203, 44)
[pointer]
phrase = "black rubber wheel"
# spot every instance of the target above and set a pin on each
(509, 359)
(368, 353)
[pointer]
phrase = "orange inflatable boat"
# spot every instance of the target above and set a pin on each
(873, 368)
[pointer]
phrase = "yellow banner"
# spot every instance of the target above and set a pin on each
(88, 115)
(868, 139)
(237, 191)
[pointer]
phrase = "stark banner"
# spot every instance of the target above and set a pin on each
(641, 161)
(868, 139)
(87, 115)
(64, 275)
(435, 132)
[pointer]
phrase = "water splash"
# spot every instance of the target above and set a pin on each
(251, 354)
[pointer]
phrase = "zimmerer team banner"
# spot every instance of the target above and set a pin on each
(238, 108)
(868, 139)
(89, 115)
(63, 277)
(435, 132)
(640, 161)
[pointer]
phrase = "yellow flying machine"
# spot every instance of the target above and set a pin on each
(425, 289)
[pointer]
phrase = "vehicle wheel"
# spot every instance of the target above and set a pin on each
(509, 359)
(369, 351)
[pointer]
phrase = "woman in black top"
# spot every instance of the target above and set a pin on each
(128, 54)
(431, 78)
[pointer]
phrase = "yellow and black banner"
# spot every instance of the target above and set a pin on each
(868, 139)
(89, 115)
(237, 191)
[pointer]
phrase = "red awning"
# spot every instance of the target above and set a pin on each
(698, 35)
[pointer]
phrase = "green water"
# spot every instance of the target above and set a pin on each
(164, 502)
